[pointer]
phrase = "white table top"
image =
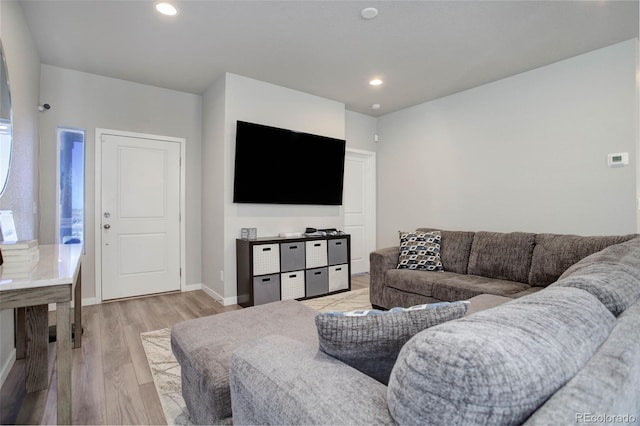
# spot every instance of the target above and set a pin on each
(58, 264)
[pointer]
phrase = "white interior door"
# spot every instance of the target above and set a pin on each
(360, 206)
(140, 215)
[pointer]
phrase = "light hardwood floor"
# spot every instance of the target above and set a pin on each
(111, 380)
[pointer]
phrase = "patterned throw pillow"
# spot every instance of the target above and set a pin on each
(370, 340)
(420, 251)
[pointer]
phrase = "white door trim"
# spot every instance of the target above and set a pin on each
(370, 188)
(98, 202)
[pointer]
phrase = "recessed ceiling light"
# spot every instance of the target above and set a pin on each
(375, 82)
(166, 9)
(369, 12)
(375, 106)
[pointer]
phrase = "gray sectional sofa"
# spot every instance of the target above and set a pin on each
(566, 354)
(506, 264)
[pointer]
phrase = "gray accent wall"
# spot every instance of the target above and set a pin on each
(527, 153)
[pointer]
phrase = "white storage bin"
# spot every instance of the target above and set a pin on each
(266, 259)
(292, 285)
(339, 277)
(316, 253)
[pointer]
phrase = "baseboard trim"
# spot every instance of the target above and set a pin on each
(6, 368)
(89, 301)
(225, 301)
(192, 287)
(230, 301)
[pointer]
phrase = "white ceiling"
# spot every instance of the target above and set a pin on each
(423, 50)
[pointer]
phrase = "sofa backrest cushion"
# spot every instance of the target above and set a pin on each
(614, 285)
(627, 254)
(455, 247)
(497, 366)
(502, 256)
(608, 384)
(553, 254)
(612, 275)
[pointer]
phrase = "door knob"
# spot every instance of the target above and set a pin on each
(107, 226)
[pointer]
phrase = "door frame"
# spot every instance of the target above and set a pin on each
(98, 201)
(370, 186)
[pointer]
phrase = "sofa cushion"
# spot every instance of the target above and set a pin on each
(608, 384)
(502, 256)
(455, 247)
(497, 366)
(526, 292)
(203, 348)
(417, 282)
(370, 340)
(393, 297)
(627, 254)
(553, 254)
(614, 285)
(460, 287)
(420, 250)
(279, 381)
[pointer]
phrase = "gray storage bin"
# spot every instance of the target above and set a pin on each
(266, 289)
(338, 251)
(292, 256)
(316, 281)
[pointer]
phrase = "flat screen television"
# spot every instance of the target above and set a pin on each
(279, 166)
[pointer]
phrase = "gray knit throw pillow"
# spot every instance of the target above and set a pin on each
(370, 340)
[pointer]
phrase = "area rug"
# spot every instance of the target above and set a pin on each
(347, 301)
(165, 369)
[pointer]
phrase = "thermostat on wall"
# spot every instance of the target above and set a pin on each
(618, 160)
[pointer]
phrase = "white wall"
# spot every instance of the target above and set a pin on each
(89, 101)
(638, 132)
(213, 172)
(526, 153)
(360, 130)
(258, 102)
(23, 65)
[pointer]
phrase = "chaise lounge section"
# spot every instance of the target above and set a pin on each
(505, 264)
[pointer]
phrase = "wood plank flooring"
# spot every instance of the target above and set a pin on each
(111, 380)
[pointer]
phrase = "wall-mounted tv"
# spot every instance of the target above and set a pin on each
(278, 166)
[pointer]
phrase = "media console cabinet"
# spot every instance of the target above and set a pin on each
(278, 268)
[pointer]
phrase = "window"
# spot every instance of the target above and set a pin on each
(71, 186)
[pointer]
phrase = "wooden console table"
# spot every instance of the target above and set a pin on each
(56, 279)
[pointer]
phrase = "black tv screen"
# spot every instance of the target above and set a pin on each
(278, 166)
